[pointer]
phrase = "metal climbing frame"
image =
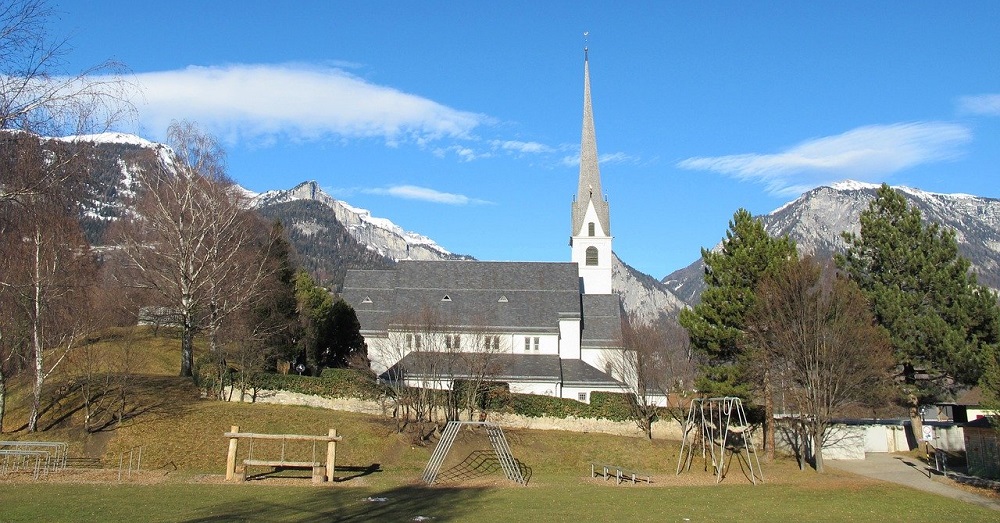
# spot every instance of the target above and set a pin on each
(497, 439)
(714, 419)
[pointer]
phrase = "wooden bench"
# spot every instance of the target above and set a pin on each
(619, 473)
(321, 471)
(318, 469)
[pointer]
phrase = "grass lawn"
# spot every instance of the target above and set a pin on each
(565, 499)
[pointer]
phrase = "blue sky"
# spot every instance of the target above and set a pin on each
(461, 120)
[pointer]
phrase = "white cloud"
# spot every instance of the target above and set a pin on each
(413, 192)
(521, 147)
(985, 104)
(261, 103)
(866, 154)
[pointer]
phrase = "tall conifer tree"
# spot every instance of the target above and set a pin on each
(942, 323)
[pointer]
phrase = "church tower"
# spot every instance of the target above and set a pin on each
(590, 240)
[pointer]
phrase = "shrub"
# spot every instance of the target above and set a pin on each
(332, 383)
(603, 405)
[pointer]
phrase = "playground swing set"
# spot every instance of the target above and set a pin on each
(722, 428)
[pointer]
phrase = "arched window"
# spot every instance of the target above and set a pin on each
(590, 228)
(591, 255)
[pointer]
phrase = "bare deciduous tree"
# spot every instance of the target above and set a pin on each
(652, 365)
(192, 240)
(479, 362)
(106, 377)
(817, 330)
(35, 93)
(47, 268)
(38, 96)
(419, 346)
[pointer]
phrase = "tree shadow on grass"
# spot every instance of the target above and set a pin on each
(405, 503)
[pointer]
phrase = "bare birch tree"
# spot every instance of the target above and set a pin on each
(47, 268)
(192, 240)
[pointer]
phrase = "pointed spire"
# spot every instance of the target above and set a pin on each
(589, 189)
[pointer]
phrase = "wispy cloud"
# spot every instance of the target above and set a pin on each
(516, 146)
(608, 158)
(261, 103)
(866, 154)
(985, 104)
(464, 153)
(413, 192)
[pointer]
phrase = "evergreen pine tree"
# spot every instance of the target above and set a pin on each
(314, 306)
(346, 343)
(716, 325)
(942, 323)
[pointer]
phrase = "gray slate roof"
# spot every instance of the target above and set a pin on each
(602, 321)
(504, 367)
(500, 296)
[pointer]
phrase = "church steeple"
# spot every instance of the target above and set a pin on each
(589, 189)
(590, 239)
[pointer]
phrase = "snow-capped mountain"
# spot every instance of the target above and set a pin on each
(331, 235)
(378, 234)
(112, 160)
(816, 220)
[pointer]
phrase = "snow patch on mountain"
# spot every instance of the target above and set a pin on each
(378, 234)
(102, 138)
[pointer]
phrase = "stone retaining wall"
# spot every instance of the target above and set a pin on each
(666, 429)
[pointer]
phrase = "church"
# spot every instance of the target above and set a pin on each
(543, 328)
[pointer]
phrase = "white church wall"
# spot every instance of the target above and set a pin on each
(598, 358)
(569, 339)
(541, 389)
(382, 354)
(535, 344)
(581, 394)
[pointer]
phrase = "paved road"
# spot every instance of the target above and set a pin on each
(910, 472)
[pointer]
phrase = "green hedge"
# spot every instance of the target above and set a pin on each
(332, 383)
(603, 405)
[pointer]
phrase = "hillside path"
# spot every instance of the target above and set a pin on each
(905, 470)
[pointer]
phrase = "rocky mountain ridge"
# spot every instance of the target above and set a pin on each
(379, 234)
